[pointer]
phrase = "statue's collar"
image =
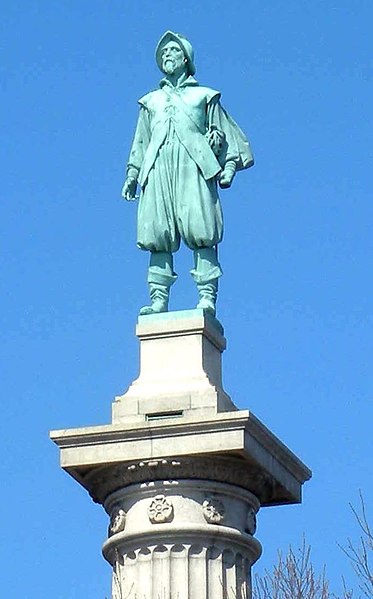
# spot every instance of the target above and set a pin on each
(187, 82)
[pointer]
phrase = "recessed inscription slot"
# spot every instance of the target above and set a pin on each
(163, 415)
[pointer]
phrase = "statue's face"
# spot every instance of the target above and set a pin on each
(173, 59)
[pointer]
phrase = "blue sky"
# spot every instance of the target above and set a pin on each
(296, 297)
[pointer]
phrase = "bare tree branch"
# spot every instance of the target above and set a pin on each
(360, 553)
(294, 577)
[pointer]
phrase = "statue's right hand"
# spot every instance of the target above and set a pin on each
(129, 189)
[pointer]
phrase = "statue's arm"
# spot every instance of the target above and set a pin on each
(235, 152)
(139, 146)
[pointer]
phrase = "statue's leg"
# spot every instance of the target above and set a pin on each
(206, 273)
(161, 276)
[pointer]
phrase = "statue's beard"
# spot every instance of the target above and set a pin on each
(169, 66)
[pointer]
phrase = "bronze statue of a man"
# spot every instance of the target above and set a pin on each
(185, 144)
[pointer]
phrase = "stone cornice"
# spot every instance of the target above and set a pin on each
(237, 433)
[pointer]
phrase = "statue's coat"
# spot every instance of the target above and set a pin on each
(176, 167)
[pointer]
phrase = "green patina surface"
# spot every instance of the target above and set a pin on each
(185, 145)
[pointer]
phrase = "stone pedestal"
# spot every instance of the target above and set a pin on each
(180, 471)
(180, 369)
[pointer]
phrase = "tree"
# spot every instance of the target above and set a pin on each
(360, 554)
(294, 576)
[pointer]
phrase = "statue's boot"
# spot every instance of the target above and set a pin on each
(159, 295)
(161, 276)
(206, 273)
(207, 296)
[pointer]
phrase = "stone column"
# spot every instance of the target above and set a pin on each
(181, 537)
(180, 471)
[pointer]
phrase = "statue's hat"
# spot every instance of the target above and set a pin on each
(184, 44)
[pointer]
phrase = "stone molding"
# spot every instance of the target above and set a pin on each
(204, 534)
(103, 481)
(115, 547)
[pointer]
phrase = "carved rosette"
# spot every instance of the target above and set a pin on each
(213, 510)
(117, 521)
(251, 521)
(160, 510)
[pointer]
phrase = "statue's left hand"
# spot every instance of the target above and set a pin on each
(129, 189)
(216, 139)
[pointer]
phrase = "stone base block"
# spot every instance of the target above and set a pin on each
(180, 369)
